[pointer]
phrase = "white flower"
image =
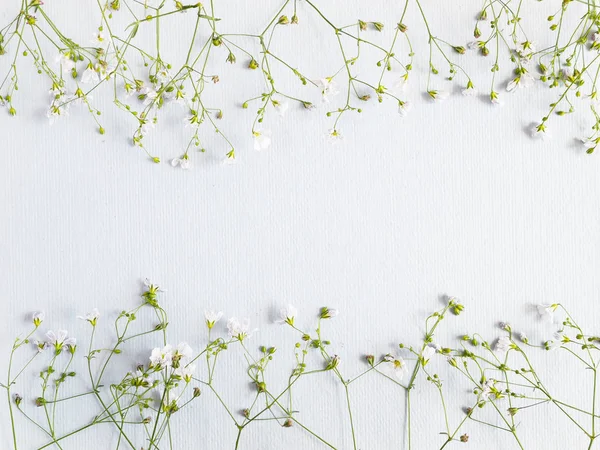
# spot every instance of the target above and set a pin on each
(239, 329)
(522, 81)
(503, 345)
(402, 84)
(334, 136)
(546, 312)
(281, 107)
(438, 96)
(523, 338)
(57, 111)
(328, 88)
(262, 139)
(474, 45)
(97, 38)
(595, 37)
(40, 346)
(65, 62)
(540, 132)
(397, 365)
(328, 313)
(212, 317)
(590, 143)
(287, 315)
(525, 49)
(469, 91)
(404, 108)
(149, 96)
(183, 162)
(488, 389)
(37, 318)
(185, 373)
(429, 351)
(495, 99)
(90, 76)
(60, 339)
(162, 357)
(91, 317)
(183, 350)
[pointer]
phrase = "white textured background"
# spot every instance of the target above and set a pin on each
(454, 199)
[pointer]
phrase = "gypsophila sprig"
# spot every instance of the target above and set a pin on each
(127, 395)
(147, 85)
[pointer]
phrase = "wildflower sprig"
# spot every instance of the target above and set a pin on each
(144, 81)
(505, 383)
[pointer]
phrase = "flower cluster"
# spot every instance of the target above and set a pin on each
(504, 383)
(147, 86)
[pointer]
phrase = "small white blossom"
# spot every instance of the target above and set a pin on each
(185, 373)
(65, 62)
(429, 351)
(287, 315)
(40, 346)
(37, 318)
(281, 107)
(239, 329)
(328, 88)
(397, 365)
(183, 350)
(438, 95)
(503, 345)
(469, 91)
(184, 162)
(97, 38)
(262, 139)
(402, 84)
(90, 76)
(404, 108)
(91, 317)
(541, 132)
(162, 357)
(526, 49)
(60, 339)
(334, 136)
(546, 311)
(212, 317)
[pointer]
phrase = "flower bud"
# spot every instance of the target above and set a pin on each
(283, 20)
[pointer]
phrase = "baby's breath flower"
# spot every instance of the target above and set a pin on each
(541, 132)
(503, 345)
(404, 108)
(438, 95)
(184, 162)
(185, 373)
(328, 88)
(262, 139)
(397, 365)
(211, 317)
(546, 311)
(287, 315)
(38, 318)
(470, 90)
(162, 357)
(90, 75)
(40, 346)
(59, 340)
(334, 136)
(91, 317)
(281, 107)
(239, 330)
(328, 313)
